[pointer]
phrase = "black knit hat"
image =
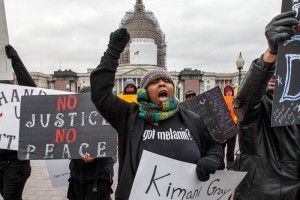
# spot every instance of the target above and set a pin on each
(155, 75)
(190, 93)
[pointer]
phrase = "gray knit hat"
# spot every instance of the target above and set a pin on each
(129, 82)
(154, 75)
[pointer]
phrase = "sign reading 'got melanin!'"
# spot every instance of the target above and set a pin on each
(63, 127)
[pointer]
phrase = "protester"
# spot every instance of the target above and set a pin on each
(270, 155)
(157, 111)
(129, 87)
(13, 172)
(91, 178)
(129, 91)
(230, 143)
(189, 94)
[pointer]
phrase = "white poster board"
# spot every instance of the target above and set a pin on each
(160, 177)
(10, 101)
(59, 172)
(5, 63)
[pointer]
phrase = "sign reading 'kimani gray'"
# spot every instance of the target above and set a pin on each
(211, 107)
(286, 103)
(63, 127)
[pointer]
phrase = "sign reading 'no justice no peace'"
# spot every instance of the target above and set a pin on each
(63, 127)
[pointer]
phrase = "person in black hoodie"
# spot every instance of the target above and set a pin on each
(157, 110)
(13, 172)
(91, 178)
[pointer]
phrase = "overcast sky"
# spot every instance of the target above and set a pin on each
(200, 34)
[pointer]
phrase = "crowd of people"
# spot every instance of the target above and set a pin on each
(270, 155)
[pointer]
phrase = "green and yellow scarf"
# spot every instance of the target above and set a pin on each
(154, 113)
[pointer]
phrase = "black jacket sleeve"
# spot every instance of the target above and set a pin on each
(115, 110)
(214, 149)
(23, 76)
(252, 90)
(209, 146)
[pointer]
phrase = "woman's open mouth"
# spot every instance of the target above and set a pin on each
(163, 96)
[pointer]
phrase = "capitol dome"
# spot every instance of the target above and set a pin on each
(143, 24)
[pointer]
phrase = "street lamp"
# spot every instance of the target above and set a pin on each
(68, 87)
(179, 88)
(240, 63)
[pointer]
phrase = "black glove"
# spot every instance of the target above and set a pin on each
(117, 42)
(280, 28)
(11, 52)
(205, 167)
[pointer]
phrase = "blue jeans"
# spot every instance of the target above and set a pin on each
(13, 176)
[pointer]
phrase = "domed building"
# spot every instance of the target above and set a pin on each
(146, 49)
(143, 25)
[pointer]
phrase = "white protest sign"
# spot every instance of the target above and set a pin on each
(5, 63)
(10, 101)
(160, 177)
(59, 172)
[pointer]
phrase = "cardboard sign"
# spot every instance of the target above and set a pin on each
(59, 172)
(211, 107)
(160, 177)
(10, 102)
(63, 127)
(5, 63)
(286, 102)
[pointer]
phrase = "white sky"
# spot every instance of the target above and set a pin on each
(200, 34)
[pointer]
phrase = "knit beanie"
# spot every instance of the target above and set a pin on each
(190, 93)
(155, 75)
(129, 82)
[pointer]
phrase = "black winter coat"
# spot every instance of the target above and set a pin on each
(124, 118)
(271, 156)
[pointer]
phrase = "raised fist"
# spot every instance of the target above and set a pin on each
(11, 52)
(280, 28)
(118, 41)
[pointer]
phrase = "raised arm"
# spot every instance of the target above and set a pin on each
(112, 108)
(20, 70)
(246, 104)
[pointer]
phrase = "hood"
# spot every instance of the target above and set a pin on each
(129, 82)
(228, 87)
